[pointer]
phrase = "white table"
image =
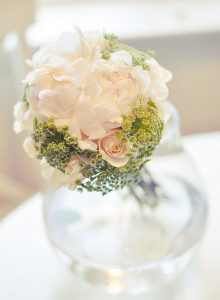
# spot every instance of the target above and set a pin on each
(29, 269)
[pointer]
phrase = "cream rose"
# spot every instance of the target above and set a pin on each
(113, 151)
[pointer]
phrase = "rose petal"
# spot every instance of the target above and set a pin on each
(106, 145)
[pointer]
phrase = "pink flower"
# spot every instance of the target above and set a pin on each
(113, 151)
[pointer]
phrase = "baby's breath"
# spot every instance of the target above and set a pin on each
(54, 144)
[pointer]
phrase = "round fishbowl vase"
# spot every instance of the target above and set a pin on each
(132, 240)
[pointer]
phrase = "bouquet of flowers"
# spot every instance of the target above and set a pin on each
(94, 110)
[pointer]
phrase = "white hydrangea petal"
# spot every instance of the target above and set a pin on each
(86, 49)
(157, 71)
(122, 56)
(23, 117)
(143, 78)
(49, 104)
(19, 109)
(167, 75)
(57, 62)
(159, 90)
(58, 103)
(107, 111)
(58, 178)
(46, 169)
(61, 122)
(29, 147)
(81, 68)
(87, 118)
(164, 109)
(95, 39)
(69, 42)
(74, 128)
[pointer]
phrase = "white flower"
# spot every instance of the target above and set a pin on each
(152, 82)
(58, 103)
(29, 147)
(58, 178)
(71, 45)
(112, 88)
(54, 88)
(23, 117)
(122, 56)
(91, 102)
(75, 87)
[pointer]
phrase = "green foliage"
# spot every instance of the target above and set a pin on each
(138, 57)
(56, 145)
(105, 178)
(142, 131)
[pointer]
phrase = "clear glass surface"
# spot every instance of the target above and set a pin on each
(130, 245)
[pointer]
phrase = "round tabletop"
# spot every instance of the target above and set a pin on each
(30, 270)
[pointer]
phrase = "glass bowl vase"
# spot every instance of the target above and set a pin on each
(136, 239)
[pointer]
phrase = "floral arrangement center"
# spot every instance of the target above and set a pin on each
(94, 111)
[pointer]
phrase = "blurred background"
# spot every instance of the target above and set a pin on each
(184, 33)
